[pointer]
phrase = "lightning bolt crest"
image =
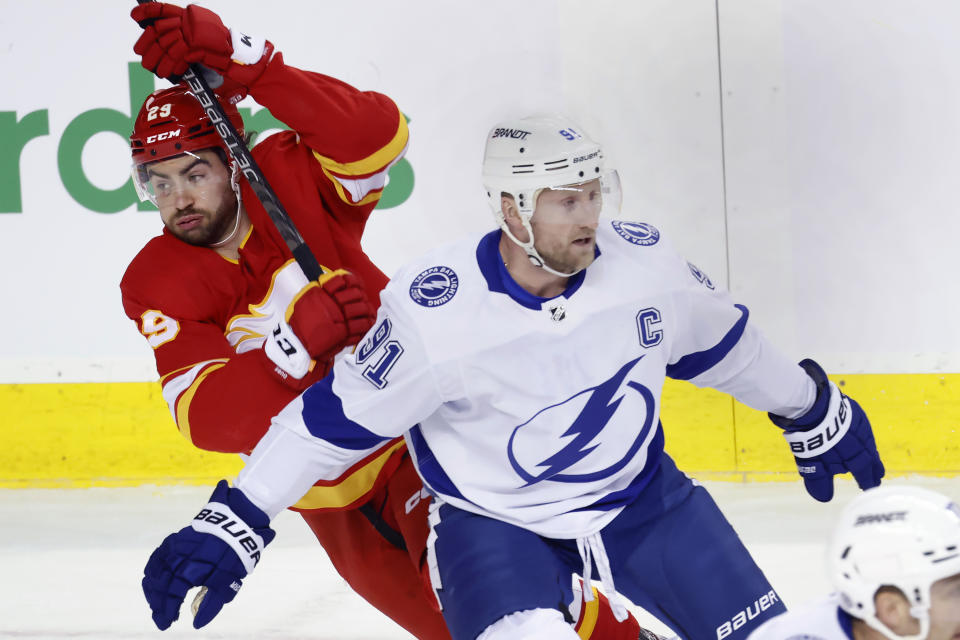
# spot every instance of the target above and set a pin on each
(591, 420)
(433, 286)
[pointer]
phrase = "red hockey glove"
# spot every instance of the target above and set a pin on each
(331, 313)
(175, 37)
(323, 318)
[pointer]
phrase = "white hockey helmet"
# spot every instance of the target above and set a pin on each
(524, 156)
(904, 537)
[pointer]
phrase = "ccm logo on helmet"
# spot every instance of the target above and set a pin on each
(516, 134)
(166, 135)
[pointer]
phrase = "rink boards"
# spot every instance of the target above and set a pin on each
(122, 434)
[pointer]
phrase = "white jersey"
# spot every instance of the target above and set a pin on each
(822, 620)
(543, 413)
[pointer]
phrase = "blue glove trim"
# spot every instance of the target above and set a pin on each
(818, 411)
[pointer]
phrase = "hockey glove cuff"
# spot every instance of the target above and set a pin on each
(287, 358)
(833, 437)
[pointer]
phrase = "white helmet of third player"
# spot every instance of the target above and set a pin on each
(905, 537)
(524, 156)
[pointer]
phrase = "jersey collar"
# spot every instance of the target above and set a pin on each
(846, 622)
(499, 279)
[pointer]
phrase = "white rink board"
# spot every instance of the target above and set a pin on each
(823, 192)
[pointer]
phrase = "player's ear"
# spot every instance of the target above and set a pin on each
(509, 207)
(511, 217)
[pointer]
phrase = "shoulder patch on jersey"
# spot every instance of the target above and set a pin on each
(639, 233)
(434, 286)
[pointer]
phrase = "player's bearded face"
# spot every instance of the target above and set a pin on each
(195, 198)
(565, 225)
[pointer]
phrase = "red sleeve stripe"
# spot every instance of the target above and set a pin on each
(179, 390)
(352, 485)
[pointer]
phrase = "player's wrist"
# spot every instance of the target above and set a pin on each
(814, 416)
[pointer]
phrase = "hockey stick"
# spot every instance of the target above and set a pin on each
(258, 182)
(261, 188)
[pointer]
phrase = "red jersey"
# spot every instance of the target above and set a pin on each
(206, 316)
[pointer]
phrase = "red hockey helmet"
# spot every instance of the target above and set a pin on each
(172, 122)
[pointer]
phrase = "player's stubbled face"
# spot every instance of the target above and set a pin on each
(945, 609)
(196, 201)
(565, 225)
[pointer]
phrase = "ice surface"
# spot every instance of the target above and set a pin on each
(71, 563)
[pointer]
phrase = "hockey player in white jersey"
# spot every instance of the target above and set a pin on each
(525, 367)
(895, 564)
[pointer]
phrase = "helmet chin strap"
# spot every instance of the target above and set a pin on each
(236, 222)
(921, 614)
(535, 258)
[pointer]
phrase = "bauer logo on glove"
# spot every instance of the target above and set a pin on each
(806, 444)
(242, 539)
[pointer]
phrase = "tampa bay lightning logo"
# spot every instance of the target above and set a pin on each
(434, 287)
(608, 425)
(639, 233)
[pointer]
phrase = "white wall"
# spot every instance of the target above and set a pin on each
(823, 195)
(841, 121)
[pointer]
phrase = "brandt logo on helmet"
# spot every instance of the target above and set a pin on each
(516, 134)
(639, 233)
(434, 287)
(875, 518)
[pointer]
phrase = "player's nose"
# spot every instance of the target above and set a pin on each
(182, 198)
(588, 215)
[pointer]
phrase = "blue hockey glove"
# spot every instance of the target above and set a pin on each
(220, 547)
(833, 437)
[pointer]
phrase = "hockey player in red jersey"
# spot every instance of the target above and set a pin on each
(236, 328)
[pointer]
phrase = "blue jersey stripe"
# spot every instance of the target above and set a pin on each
(693, 364)
(323, 415)
(433, 474)
(629, 494)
